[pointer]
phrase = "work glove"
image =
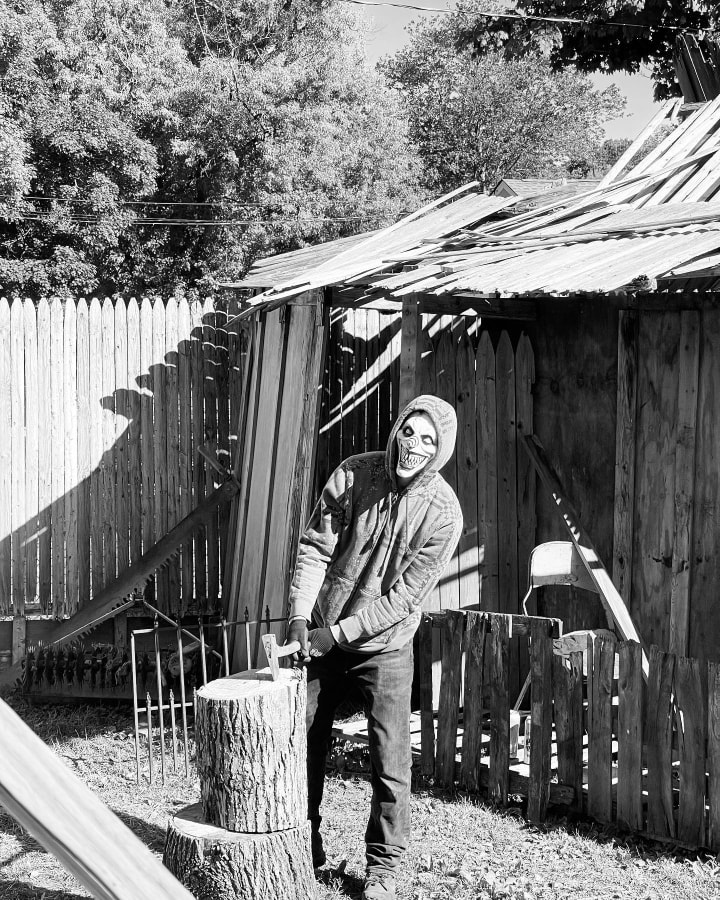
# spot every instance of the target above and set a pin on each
(321, 641)
(298, 631)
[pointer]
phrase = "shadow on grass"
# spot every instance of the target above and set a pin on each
(21, 890)
(151, 835)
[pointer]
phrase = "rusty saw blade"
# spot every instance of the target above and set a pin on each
(134, 578)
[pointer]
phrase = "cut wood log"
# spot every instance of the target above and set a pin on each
(216, 864)
(252, 751)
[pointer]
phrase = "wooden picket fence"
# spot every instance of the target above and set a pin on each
(104, 407)
(644, 757)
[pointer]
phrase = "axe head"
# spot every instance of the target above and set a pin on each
(274, 653)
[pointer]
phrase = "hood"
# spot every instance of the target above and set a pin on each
(445, 422)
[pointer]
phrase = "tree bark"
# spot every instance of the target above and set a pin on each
(251, 751)
(216, 864)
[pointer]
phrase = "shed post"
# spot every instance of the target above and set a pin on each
(411, 328)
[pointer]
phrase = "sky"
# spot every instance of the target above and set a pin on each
(388, 34)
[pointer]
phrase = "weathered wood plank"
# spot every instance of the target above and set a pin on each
(445, 387)
(467, 467)
(162, 580)
(211, 444)
(706, 513)
(600, 729)
(630, 697)
(185, 457)
(83, 452)
(409, 349)
(691, 724)
(508, 576)
(541, 656)
(713, 752)
(359, 388)
(526, 477)
(499, 706)
(223, 414)
(197, 377)
(108, 425)
(373, 387)
(625, 447)
(17, 438)
(120, 447)
(5, 462)
(57, 411)
(425, 692)
(134, 415)
(567, 678)
(147, 452)
(347, 370)
(686, 424)
(31, 449)
(487, 472)
(44, 457)
(172, 422)
(71, 441)
(475, 625)
(449, 706)
(659, 728)
(97, 504)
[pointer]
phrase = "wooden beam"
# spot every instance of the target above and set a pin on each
(409, 350)
(612, 601)
(66, 817)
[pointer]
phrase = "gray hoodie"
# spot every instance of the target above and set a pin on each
(372, 552)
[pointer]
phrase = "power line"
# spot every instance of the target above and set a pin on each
(220, 204)
(507, 14)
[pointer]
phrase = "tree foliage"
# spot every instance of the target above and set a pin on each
(487, 118)
(121, 119)
(602, 36)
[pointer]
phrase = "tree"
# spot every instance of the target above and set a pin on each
(605, 36)
(486, 118)
(136, 130)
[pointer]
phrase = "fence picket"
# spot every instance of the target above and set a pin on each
(427, 717)
(108, 457)
(499, 705)
(185, 456)
(541, 719)
(5, 463)
(211, 443)
(449, 587)
(17, 432)
(467, 466)
(600, 730)
(222, 378)
(567, 678)
(475, 626)
(487, 471)
(120, 446)
(97, 507)
(84, 467)
(713, 752)
(162, 586)
(31, 449)
(133, 413)
(197, 376)
(173, 431)
(448, 707)
(630, 695)
(57, 383)
(44, 454)
(147, 453)
(691, 730)
(659, 731)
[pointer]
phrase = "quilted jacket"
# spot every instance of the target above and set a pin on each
(372, 552)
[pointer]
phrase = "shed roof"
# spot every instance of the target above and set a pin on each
(658, 220)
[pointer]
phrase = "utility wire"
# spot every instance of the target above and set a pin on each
(507, 14)
(213, 203)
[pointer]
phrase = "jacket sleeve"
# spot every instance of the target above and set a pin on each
(318, 542)
(411, 588)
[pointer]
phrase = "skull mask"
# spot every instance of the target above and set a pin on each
(417, 446)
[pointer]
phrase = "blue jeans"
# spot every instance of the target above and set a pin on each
(384, 681)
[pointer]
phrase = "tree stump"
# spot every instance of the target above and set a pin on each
(217, 864)
(252, 751)
(249, 837)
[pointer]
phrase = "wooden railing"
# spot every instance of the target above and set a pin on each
(646, 758)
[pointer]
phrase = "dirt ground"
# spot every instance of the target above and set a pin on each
(460, 847)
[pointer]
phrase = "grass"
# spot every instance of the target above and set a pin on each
(460, 848)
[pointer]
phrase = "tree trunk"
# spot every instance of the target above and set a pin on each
(216, 864)
(251, 751)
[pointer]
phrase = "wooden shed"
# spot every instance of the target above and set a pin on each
(591, 323)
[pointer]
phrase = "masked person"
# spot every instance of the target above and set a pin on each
(381, 535)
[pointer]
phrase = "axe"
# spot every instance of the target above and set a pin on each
(275, 653)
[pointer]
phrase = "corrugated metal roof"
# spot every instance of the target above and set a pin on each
(640, 226)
